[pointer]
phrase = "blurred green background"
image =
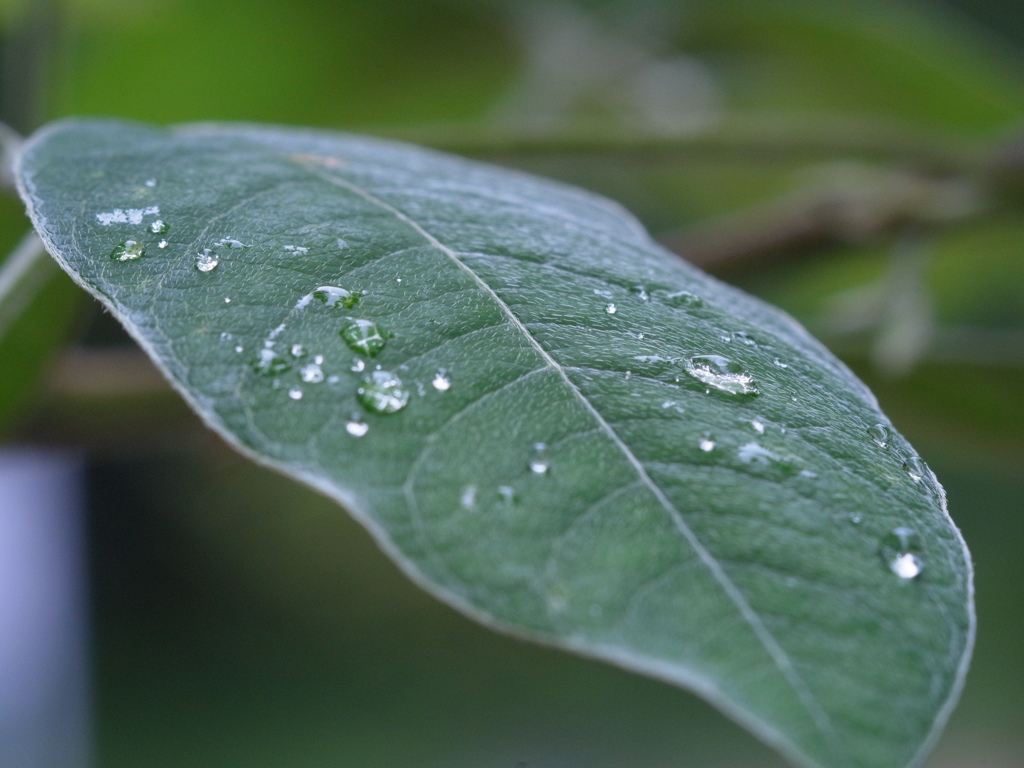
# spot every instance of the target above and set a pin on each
(858, 163)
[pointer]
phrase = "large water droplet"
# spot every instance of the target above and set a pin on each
(915, 467)
(722, 374)
(311, 374)
(383, 392)
(364, 336)
(129, 250)
(442, 382)
(900, 550)
(881, 434)
(357, 428)
(206, 261)
(333, 296)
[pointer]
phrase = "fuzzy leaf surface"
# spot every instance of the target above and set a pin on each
(548, 421)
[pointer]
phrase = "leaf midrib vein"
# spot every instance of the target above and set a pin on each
(768, 641)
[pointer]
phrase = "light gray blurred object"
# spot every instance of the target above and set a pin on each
(44, 689)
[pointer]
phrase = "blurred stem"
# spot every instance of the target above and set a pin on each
(838, 202)
(30, 33)
(764, 139)
(10, 146)
(861, 178)
(22, 275)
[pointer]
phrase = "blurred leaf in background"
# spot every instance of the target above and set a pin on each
(856, 163)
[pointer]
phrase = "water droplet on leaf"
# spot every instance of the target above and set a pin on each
(707, 444)
(539, 464)
(441, 382)
(357, 428)
(295, 393)
(333, 296)
(916, 468)
(610, 309)
(683, 300)
(722, 374)
(742, 338)
(269, 363)
(206, 261)
(311, 374)
(900, 550)
(129, 250)
(880, 434)
(383, 392)
(159, 227)
(297, 350)
(364, 336)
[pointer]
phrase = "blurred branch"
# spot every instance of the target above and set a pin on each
(862, 179)
(116, 372)
(833, 203)
(765, 139)
(971, 346)
(22, 275)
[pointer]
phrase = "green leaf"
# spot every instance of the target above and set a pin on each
(549, 422)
